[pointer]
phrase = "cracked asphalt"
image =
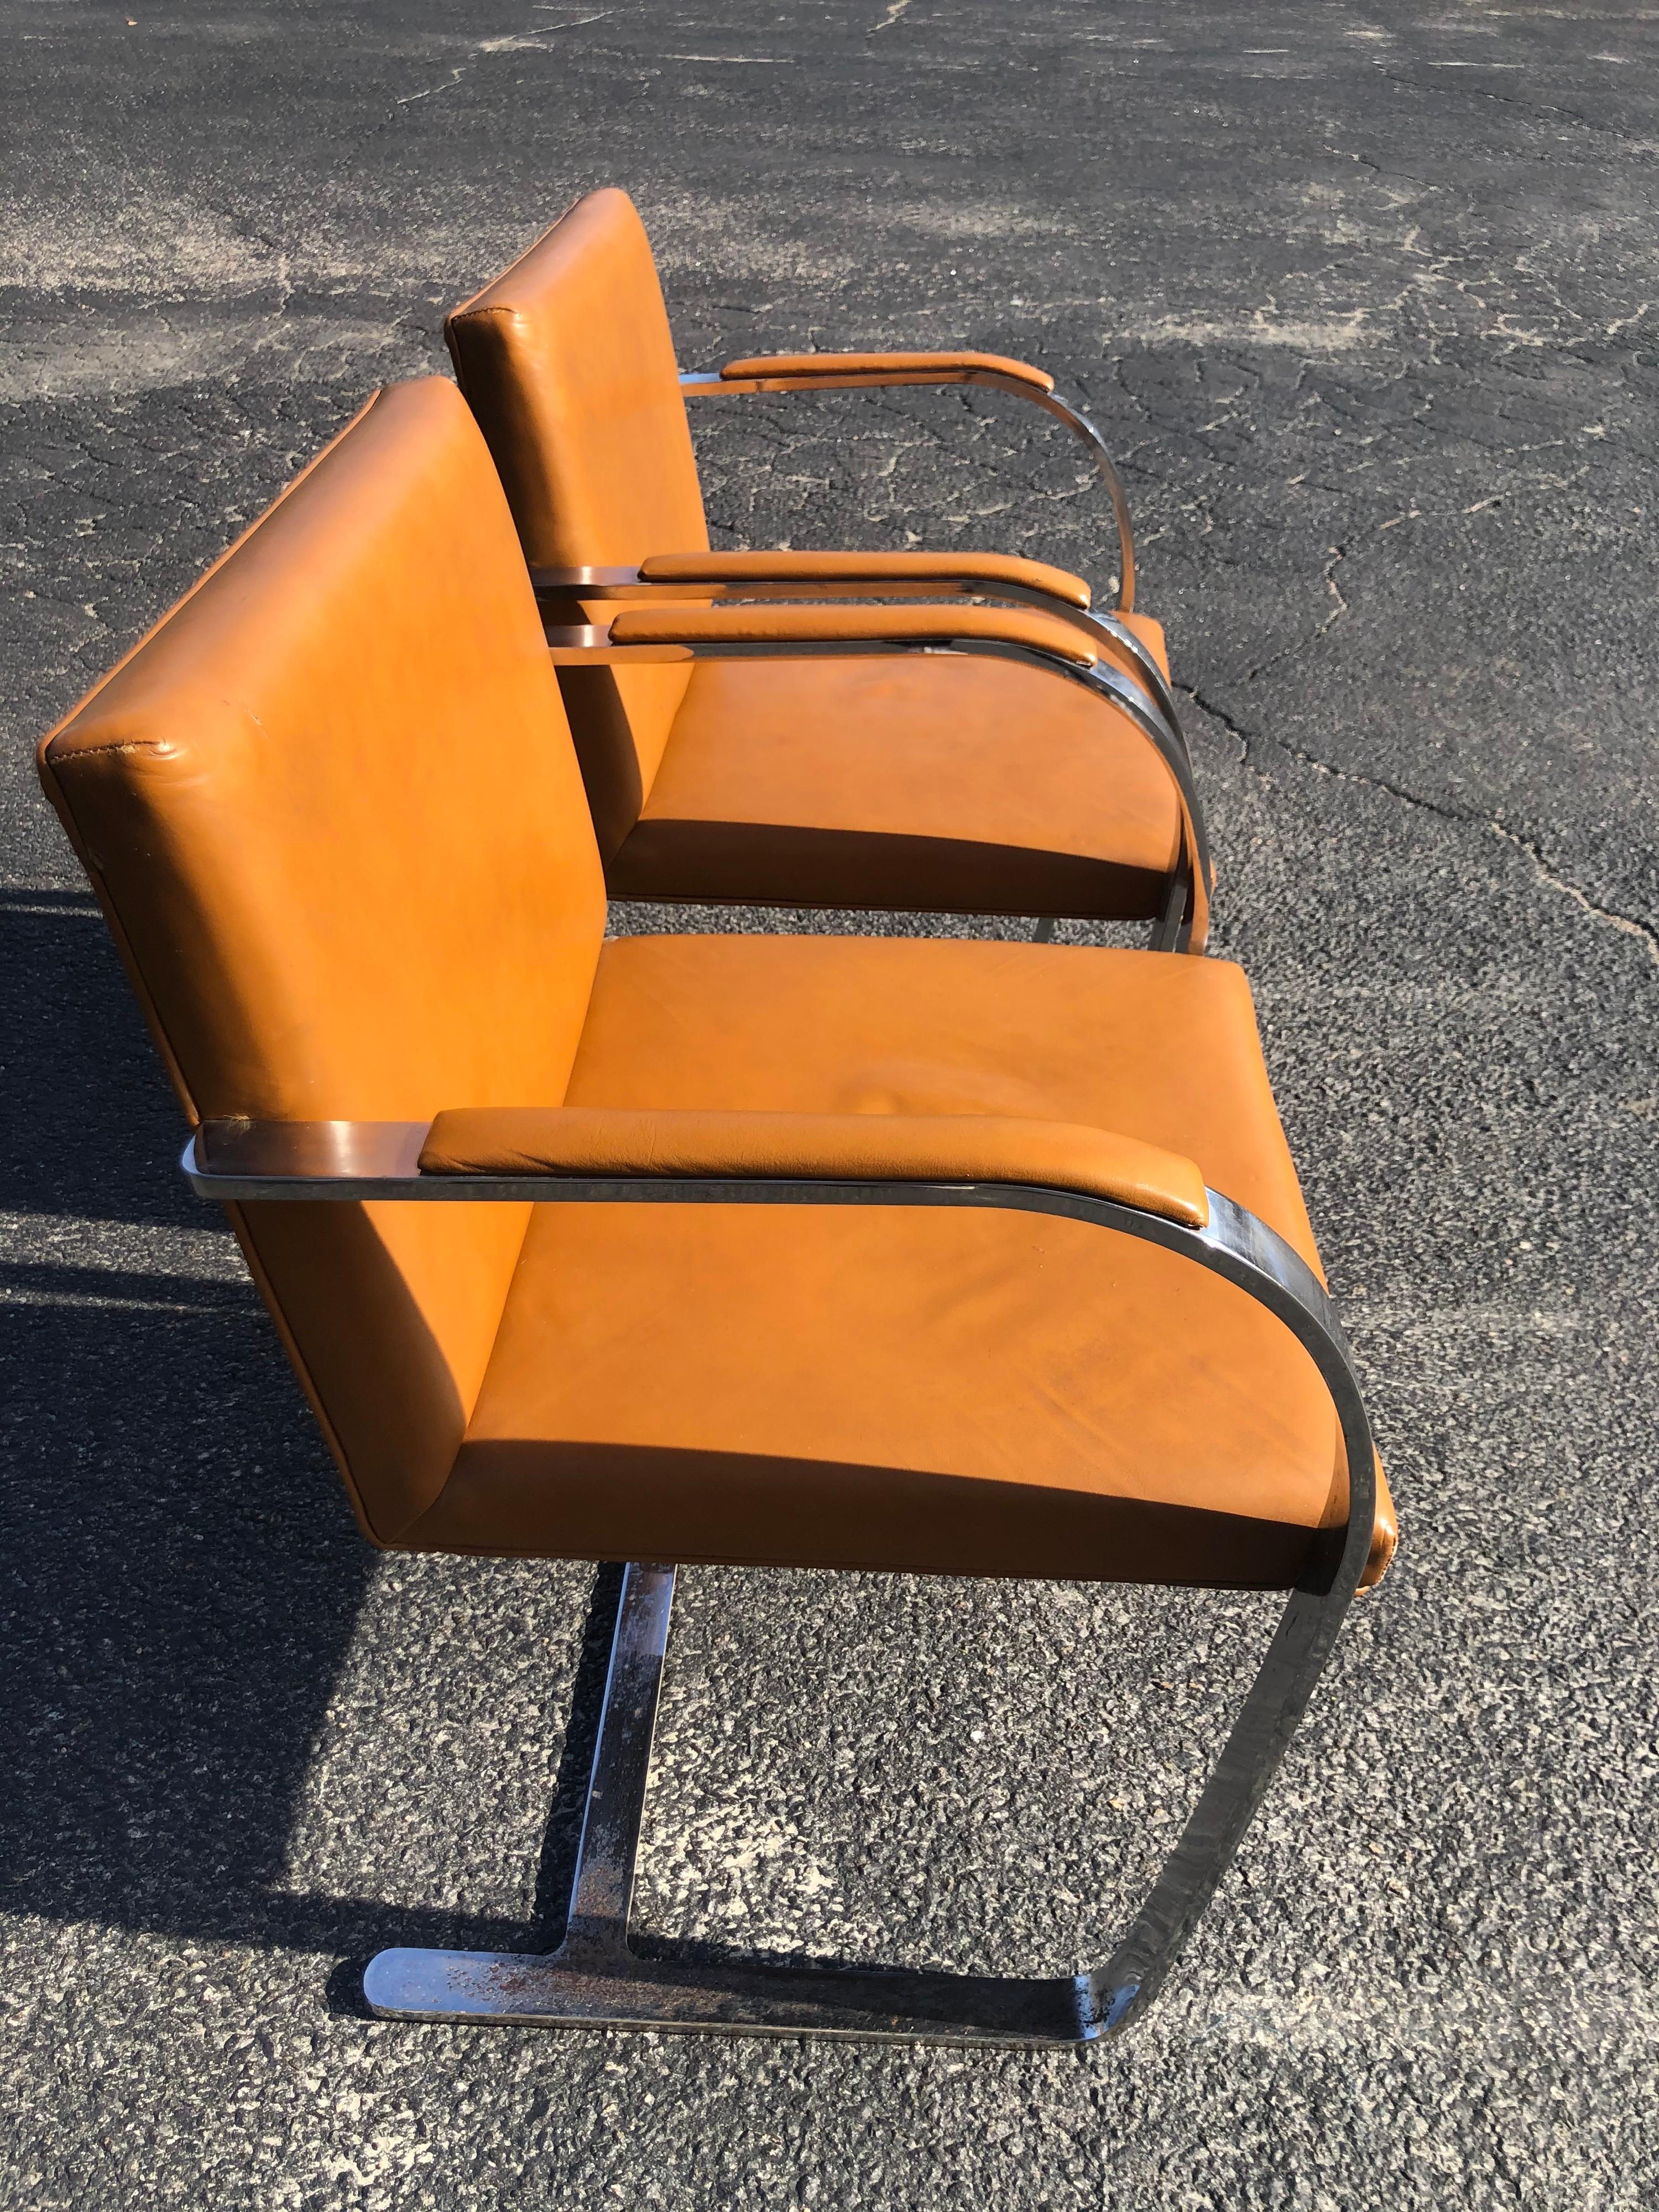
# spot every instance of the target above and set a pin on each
(1367, 299)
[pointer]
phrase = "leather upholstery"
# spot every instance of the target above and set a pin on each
(1150, 1046)
(331, 809)
(568, 362)
(887, 367)
(867, 569)
(866, 576)
(576, 1140)
(961, 785)
(974, 1393)
(331, 804)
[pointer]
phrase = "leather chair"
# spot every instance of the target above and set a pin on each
(927, 787)
(939, 1256)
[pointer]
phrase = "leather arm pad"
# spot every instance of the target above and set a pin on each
(808, 368)
(835, 1147)
(815, 625)
(868, 570)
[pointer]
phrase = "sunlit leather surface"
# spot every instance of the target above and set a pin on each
(975, 1394)
(331, 802)
(653, 1142)
(568, 362)
(970, 786)
(870, 567)
(805, 366)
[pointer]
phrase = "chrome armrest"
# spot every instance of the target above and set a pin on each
(710, 383)
(629, 585)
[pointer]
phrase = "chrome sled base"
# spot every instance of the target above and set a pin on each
(595, 1979)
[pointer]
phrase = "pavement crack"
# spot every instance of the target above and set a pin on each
(1548, 872)
(409, 98)
(1218, 714)
(1337, 555)
(515, 42)
(1539, 114)
(1626, 924)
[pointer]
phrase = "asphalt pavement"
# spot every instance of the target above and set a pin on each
(1367, 301)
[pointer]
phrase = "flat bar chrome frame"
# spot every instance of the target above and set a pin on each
(595, 1978)
(1183, 923)
(710, 383)
(628, 585)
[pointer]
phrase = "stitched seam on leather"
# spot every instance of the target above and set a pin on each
(485, 314)
(51, 774)
(245, 1239)
(123, 944)
(117, 745)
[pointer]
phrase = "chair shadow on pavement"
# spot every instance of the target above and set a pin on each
(179, 1579)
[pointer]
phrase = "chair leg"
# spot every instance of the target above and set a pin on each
(594, 1979)
(1172, 929)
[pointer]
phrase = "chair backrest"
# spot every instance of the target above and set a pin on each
(568, 362)
(331, 810)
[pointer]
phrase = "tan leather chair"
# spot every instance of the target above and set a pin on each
(923, 785)
(962, 1258)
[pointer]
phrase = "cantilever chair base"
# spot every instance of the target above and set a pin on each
(618, 1988)
(597, 1979)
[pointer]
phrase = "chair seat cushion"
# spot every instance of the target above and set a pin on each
(958, 1392)
(966, 785)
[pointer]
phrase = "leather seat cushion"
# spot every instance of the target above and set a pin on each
(944, 1391)
(965, 785)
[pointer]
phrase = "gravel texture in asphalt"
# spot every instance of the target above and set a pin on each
(1367, 299)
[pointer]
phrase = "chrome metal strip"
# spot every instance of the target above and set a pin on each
(1083, 430)
(602, 1892)
(709, 384)
(628, 585)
